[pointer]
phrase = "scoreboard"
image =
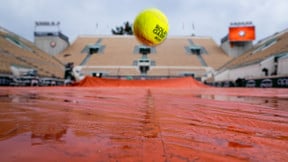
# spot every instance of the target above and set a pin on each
(241, 32)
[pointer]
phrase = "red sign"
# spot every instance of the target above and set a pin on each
(241, 33)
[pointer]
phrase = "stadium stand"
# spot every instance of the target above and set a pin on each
(123, 57)
(215, 54)
(19, 54)
(173, 58)
(265, 60)
(69, 55)
(118, 52)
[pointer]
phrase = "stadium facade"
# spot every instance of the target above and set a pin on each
(264, 65)
(236, 62)
(22, 63)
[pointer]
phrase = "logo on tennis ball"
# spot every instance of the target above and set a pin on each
(151, 27)
(160, 33)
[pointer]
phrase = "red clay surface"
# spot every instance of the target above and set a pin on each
(143, 124)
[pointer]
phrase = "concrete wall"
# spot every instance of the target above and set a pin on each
(250, 71)
(255, 70)
(44, 43)
(222, 76)
(268, 64)
(283, 66)
(236, 49)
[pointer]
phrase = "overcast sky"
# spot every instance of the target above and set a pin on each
(92, 17)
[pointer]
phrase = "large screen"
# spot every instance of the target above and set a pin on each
(241, 33)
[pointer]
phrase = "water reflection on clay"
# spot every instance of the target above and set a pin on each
(133, 124)
(271, 102)
(54, 134)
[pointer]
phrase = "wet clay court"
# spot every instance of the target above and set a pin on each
(124, 121)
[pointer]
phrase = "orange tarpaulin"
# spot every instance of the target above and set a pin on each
(143, 123)
(186, 82)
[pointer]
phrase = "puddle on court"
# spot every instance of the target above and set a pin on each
(272, 102)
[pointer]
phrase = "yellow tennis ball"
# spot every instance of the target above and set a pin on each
(151, 27)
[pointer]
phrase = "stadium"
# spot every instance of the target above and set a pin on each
(111, 98)
(233, 63)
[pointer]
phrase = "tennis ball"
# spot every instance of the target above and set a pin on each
(151, 27)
